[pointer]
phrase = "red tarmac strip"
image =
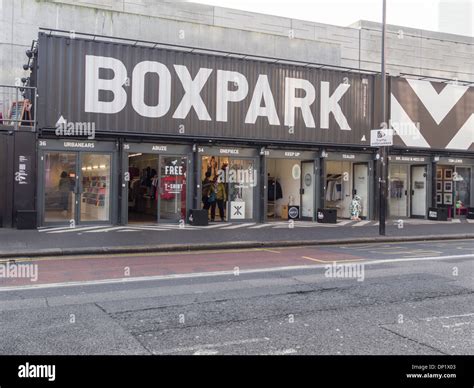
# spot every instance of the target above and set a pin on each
(89, 268)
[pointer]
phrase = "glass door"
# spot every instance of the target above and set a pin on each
(95, 187)
(172, 193)
(307, 190)
(242, 180)
(462, 187)
(60, 176)
(361, 185)
(418, 191)
(398, 190)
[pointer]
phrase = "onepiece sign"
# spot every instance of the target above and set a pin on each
(133, 89)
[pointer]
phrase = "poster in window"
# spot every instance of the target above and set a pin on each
(448, 187)
(439, 173)
(439, 199)
(448, 198)
(439, 186)
(448, 174)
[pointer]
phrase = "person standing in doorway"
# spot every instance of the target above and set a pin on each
(207, 191)
(221, 198)
(64, 187)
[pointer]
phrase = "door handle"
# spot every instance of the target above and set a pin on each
(406, 192)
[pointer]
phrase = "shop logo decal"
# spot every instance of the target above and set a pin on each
(438, 106)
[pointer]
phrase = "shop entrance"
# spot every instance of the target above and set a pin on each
(228, 187)
(76, 187)
(398, 190)
(418, 191)
(343, 181)
(156, 188)
(290, 189)
(453, 188)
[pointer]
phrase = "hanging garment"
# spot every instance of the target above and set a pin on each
(337, 191)
(329, 190)
(274, 190)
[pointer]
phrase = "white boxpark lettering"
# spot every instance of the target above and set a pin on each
(138, 89)
(331, 104)
(192, 90)
(262, 91)
(94, 84)
(231, 87)
(303, 103)
(224, 95)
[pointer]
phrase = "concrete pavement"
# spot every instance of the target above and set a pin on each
(169, 237)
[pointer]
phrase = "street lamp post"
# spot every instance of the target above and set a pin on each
(383, 151)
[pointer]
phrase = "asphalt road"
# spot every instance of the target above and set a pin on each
(412, 298)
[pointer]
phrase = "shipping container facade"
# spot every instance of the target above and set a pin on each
(297, 137)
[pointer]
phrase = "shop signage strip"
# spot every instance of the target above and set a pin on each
(76, 145)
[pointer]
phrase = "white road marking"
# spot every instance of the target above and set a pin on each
(344, 222)
(105, 229)
(202, 348)
(77, 230)
(449, 316)
(259, 226)
(362, 223)
(205, 352)
(212, 226)
(282, 352)
(237, 226)
(156, 229)
(221, 273)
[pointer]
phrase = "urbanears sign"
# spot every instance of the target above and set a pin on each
(151, 90)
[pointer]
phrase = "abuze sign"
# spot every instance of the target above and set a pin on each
(124, 88)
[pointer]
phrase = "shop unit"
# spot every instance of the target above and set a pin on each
(409, 185)
(290, 184)
(453, 184)
(344, 175)
(155, 182)
(228, 182)
(76, 182)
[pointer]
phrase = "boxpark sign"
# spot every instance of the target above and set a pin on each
(124, 88)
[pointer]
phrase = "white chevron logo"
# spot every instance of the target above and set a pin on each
(438, 105)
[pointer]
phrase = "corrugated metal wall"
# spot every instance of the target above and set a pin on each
(61, 90)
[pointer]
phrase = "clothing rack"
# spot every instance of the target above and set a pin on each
(334, 188)
(271, 204)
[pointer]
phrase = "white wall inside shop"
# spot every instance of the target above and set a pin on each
(412, 51)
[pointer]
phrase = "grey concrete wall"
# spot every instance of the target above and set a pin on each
(413, 51)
